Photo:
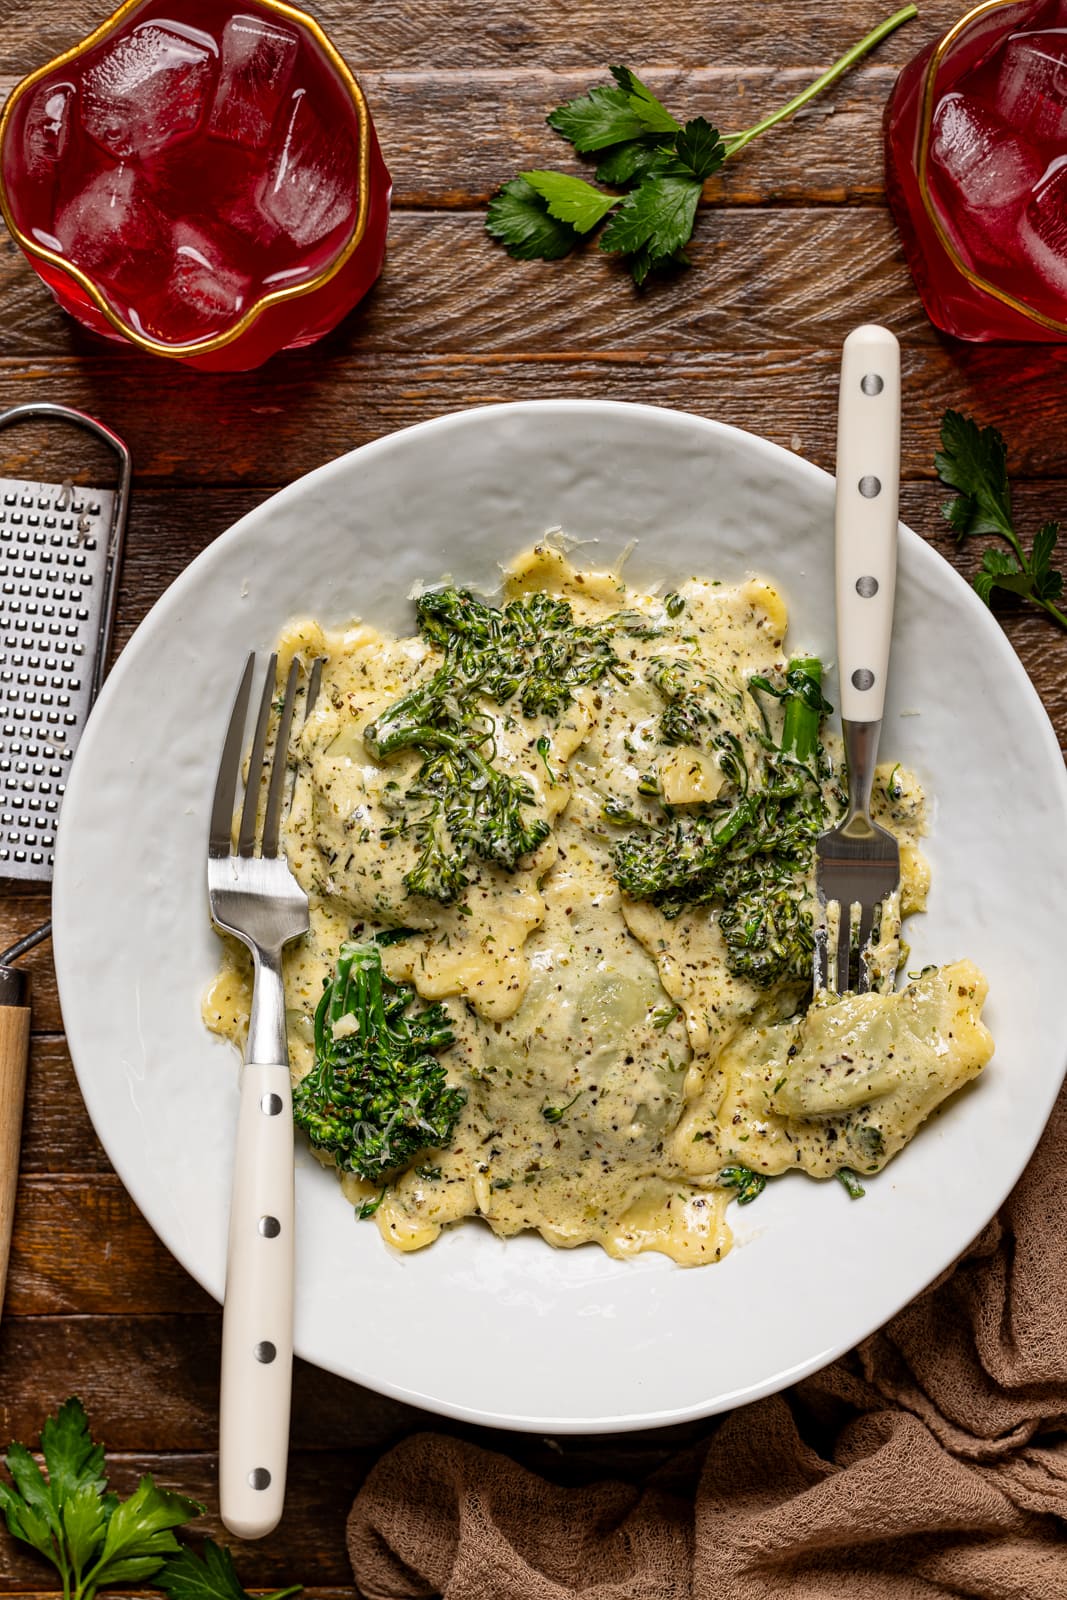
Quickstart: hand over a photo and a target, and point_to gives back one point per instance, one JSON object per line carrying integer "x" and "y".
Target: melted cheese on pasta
{"x": 664, "y": 1065}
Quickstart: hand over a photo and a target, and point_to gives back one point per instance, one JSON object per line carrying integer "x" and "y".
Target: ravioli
{"x": 623, "y": 1058}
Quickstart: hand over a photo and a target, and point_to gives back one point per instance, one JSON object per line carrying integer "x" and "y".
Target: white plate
{"x": 516, "y": 1334}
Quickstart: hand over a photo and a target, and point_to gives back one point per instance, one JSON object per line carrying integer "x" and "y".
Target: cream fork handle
{"x": 257, "y": 1322}
{"x": 868, "y": 486}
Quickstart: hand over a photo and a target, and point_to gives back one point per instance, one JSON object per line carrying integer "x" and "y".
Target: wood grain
{"x": 775, "y": 277}
{"x": 80, "y": 1245}
{"x": 146, "y": 1378}
{"x": 832, "y": 152}
{"x": 57, "y": 1135}
{"x": 788, "y": 395}
{"x": 473, "y": 36}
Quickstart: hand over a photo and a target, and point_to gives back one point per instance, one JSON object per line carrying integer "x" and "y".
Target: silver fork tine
{"x": 272, "y": 820}
{"x": 863, "y": 977}
{"x": 821, "y": 956}
{"x": 314, "y": 683}
{"x": 222, "y": 806}
{"x": 246, "y": 842}
{"x": 844, "y": 948}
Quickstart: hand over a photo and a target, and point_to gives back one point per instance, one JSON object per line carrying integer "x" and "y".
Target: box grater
{"x": 60, "y": 550}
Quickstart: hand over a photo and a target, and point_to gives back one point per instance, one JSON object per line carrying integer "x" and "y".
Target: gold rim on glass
{"x": 215, "y": 341}
{"x": 929, "y": 94}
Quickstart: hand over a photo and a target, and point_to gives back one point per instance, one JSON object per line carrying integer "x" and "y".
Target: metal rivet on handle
{"x": 871, "y": 383}
{"x": 870, "y": 486}
{"x": 265, "y": 1351}
{"x": 259, "y": 1478}
{"x": 867, "y": 587}
{"x": 269, "y": 1227}
{"x": 271, "y": 1105}
{"x": 862, "y": 678}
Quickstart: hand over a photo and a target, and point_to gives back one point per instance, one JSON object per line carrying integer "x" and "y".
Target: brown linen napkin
{"x": 931, "y": 1461}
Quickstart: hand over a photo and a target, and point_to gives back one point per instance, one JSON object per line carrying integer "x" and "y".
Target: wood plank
{"x": 81, "y": 1245}
{"x": 151, "y": 1382}
{"x": 774, "y": 278}
{"x": 469, "y": 36}
{"x": 343, "y": 397}
{"x": 57, "y": 1135}
{"x": 831, "y": 152}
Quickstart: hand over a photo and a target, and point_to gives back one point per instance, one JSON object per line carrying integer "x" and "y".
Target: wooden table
{"x": 796, "y": 249}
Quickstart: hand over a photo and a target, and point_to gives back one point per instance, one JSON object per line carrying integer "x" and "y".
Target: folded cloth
{"x": 931, "y": 1461}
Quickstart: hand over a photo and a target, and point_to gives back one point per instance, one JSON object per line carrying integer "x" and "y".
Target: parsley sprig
{"x": 94, "y": 1539}
{"x": 974, "y": 461}
{"x": 211, "y": 1576}
{"x": 660, "y": 164}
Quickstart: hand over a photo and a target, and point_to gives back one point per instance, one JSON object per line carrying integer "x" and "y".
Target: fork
{"x": 257, "y": 899}
{"x": 858, "y": 863}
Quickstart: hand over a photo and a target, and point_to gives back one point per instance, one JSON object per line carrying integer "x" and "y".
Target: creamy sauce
{"x": 658, "y": 1067}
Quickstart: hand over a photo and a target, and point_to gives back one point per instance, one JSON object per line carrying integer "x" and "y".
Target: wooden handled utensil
{"x": 14, "y": 1048}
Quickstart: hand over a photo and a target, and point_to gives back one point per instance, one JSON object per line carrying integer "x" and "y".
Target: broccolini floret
{"x": 688, "y": 712}
{"x": 376, "y": 1096}
{"x": 460, "y": 805}
{"x": 748, "y": 1184}
{"x": 751, "y": 851}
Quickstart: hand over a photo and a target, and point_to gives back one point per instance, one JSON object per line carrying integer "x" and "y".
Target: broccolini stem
{"x": 803, "y": 707}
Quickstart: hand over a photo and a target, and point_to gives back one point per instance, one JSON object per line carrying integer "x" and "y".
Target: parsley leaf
{"x": 609, "y": 114}
{"x": 602, "y": 117}
{"x": 974, "y": 461}
{"x": 210, "y": 1577}
{"x": 139, "y": 1534}
{"x": 571, "y": 199}
{"x": 658, "y": 214}
{"x": 624, "y": 162}
{"x": 654, "y": 116}
{"x": 698, "y": 151}
{"x": 92, "y": 1537}
{"x": 518, "y": 216}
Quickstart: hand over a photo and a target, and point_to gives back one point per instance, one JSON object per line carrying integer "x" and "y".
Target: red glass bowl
{"x": 285, "y": 317}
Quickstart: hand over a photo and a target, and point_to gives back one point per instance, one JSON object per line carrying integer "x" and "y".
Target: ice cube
{"x": 1043, "y": 231}
{"x": 1031, "y": 91}
{"x": 208, "y": 288}
{"x": 257, "y": 63}
{"x": 985, "y": 164}
{"x": 150, "y": 89}
{"x": 113, "y": 231}
{"x": 310, "y": 184}
{"x": 46, "y": 130}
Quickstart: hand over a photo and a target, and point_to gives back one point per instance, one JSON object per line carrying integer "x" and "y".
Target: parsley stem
{"x": 737, "y": 141}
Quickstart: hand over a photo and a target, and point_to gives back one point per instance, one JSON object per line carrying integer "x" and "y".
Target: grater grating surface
{"x": 59, "y": 554}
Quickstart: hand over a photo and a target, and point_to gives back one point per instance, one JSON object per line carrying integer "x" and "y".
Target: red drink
{"x": 976, "y": 172}
{"x": 204, "y": 182}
